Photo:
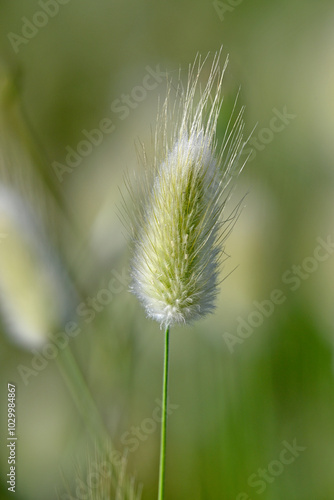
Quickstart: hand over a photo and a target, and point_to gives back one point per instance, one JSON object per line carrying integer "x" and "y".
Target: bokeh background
{"x": 237, "y": 400}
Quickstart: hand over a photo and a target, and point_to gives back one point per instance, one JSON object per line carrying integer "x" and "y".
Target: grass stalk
{"x": 162, "y": 467}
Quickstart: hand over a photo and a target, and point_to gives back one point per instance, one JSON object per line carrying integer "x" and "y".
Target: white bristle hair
{"x": 178, "y": 227}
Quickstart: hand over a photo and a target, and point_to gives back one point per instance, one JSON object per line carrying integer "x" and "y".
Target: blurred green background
{"x": 239, "y": 400}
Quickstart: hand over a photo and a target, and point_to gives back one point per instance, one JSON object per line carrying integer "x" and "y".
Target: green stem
{"x": 164, "y": 420}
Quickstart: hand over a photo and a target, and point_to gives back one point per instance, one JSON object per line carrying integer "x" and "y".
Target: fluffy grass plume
{"x": 179, "y": 229}
{"x": 103, "y": 478}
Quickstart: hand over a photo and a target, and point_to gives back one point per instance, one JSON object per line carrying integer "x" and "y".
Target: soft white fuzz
{"x": 178, "y": 228}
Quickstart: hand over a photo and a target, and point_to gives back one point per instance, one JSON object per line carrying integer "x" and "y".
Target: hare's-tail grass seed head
{"x": 102, "y": 477}
{"x": 178, "y": 229}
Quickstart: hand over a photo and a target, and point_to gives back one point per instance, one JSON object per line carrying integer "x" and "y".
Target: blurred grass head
{"x": 34, "y": 290}
{"x": 103, "y": 478}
